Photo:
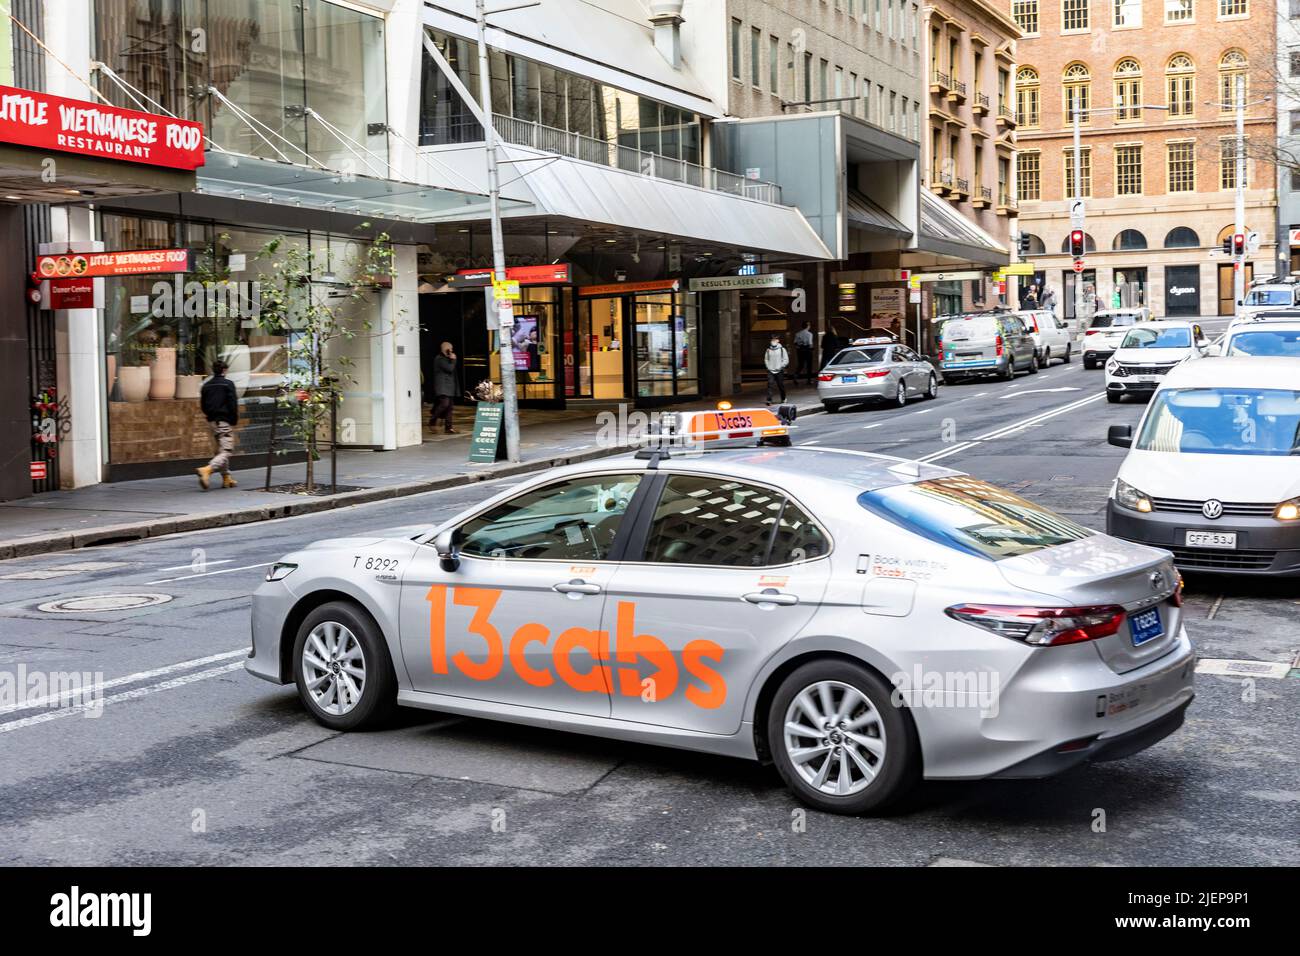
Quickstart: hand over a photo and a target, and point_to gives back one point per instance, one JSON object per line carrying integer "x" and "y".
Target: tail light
{"x": 1176, "y": 599}
{"x": 825, "y": 377}
{"x": 1091, "y": 332}
{"x": 878, "y": 373}
{"x": 999, "y": 344}
{"x": 1042, "y": 626}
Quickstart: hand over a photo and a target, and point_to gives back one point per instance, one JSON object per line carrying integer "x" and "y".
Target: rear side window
{"x": 972, "y": 516}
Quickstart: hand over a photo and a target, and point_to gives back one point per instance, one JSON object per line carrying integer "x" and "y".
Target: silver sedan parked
{"x": 857, "y": 620}
{"x": 891, "y": 373}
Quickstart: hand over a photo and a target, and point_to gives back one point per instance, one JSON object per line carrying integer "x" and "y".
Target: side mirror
{"x": 445, "y": 545}
{"x": 1121, "y": 436}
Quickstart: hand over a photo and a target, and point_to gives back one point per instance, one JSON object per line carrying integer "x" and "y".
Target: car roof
{"x": 1276, "y": 326}
{"x": 1170, "y": 324}
{"x": 1235, "y": 372}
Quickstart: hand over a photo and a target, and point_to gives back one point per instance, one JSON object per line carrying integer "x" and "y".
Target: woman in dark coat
{"x": 444, "y": 386}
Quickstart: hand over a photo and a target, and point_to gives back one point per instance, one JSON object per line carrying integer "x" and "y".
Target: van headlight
{"x": 1116, "y": 369}
{"x": 1130, "y": 497}
{"x": 1287, "y": 510}
{"x": 280, "y": 570}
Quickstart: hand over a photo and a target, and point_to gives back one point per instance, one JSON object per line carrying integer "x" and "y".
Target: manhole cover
{"x": 103, "y": 602}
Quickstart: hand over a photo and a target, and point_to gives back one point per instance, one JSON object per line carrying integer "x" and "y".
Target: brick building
{"x": 1159, "y": 184}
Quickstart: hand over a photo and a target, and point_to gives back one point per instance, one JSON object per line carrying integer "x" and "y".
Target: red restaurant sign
{"x": 131, "y": 263}
{"x": 28, "y": 118}
{"x": 557, "y": 274}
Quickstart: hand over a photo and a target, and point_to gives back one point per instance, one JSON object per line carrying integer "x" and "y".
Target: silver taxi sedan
{"x": 862, "y": 373}
{"x": 858, "y": 621}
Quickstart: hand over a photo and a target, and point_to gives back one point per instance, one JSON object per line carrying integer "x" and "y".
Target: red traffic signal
{"x": 1076, "y": 243}
{"x": 1238, "y": 244}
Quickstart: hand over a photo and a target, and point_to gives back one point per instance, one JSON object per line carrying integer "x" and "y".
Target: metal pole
{"x": 1239, "y": 161}
{"x": 1078, "y": 194}
{"x": 334, "y": 439}
{"x": 510, "y": 400}
{"x": 270, "y": 442}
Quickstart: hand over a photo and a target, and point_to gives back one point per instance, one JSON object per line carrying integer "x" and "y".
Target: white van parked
{"x": 1213, "y": 469}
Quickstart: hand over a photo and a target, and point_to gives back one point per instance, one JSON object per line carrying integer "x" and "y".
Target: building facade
{"x": 1153, "y": 86}
{"x": 1287, "y": 152}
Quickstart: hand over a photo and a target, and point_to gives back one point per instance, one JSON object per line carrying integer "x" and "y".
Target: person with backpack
{"x": 220, "y": 404}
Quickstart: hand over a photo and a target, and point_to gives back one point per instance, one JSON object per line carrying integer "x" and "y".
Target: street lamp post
{"x": 1239, "y": 167}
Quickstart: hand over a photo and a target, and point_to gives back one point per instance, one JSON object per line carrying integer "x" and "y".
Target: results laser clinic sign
{"x": 132, "y": 263}
{"x": 64, "y": 125}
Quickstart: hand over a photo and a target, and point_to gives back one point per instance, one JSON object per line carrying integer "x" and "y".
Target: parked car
{"x": 892, "y": 373}
{"x": 974, "y": 344}
{"x": 1107, "y": 329}
{"x": 1052, "y": 338}
{"x": 1269, "y": 295}
{"x": 1146, "y": 354}
{"x": 1261, "y": 338}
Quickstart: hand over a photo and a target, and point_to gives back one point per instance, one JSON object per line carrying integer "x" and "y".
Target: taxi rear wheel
{"x": 831, "y": 407}
{"x": 900, "y": 396}
{"x": 838, "y": 741}
{"x": 343, "y": 669}
{"x": 932, "y": 387}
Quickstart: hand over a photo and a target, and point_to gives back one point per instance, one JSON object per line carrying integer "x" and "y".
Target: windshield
{"x": 1223, "y": 421}
{"x": 1158, "y": 339}
{"x": 1269, "y": 297}
{"x": 1266, "y": 343}
{"x": 968, "y": 327}
{"x": 859, "y": 357}
{"x": 972, "y": 516}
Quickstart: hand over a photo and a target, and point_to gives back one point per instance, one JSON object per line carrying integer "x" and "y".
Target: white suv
{"x": 1147, "y": 353}
{"x": 1051, "y": 336}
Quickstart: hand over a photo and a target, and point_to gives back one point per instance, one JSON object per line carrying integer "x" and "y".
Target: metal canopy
{"x": 948, "y": 233}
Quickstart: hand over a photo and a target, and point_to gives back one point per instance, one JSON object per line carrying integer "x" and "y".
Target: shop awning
{"x": 947, "y": 232}
{"x": 865, "y": 213}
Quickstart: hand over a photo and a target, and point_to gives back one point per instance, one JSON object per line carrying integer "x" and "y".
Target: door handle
{"x": 576, "y": 587}
{"x": 770, "y": 596}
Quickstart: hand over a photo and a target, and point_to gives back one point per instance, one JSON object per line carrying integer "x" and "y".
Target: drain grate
{"x": 92, "y": 603}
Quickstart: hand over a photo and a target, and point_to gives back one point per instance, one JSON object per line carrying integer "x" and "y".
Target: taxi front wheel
{"x": 838, "y": 741}
{"x": 342, "y": 668}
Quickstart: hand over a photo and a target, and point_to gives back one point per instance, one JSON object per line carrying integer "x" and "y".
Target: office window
{"x": 773, "y": 64}
{"x": 1078, "y": 93}
{"x": 893, "y": 111}
{"x": 916, "y": 27}
{"x": 954, "y": 58}
{"x": 1294, "y": 10}
{"x": 1128, "y": 170}
{"x": 880, "y": 105}
{"x": 1025, "y": 13}
{"x": 902, "y": 118}
{"x": 1127, "y": 13}
{"x": 1085, "y": 173}
{"x": 1128, "y": 89}
{"x": 1028, "y": 176}
{"x": 1074, "y": 14}
{"x": 735, "y": 49}
{"x": 1231, "y": 66}
{"x": 755, "y": 39}
{"x": 823, "y": 81}
{"x": 1027, "y": 99}
{"x": 1294, "y": 180}
{"x": 1182, "y": 167}
{"x": 1228, "y": 165}
{"x": 1180, "y": 76}
{"x": 1295, "y": 122}
{"x": 1232, "y": 8}
{"x": 916, "y": 122}
{"x": 839, "y": 88}
{"x": 853, "y": 92}
{"x": 1294, "y": 69}
{"x": 807, "y": 76}
{"x": 890, "y": 18}
{"x": 879, "y": 4}
{"x": 1178, "y": 11}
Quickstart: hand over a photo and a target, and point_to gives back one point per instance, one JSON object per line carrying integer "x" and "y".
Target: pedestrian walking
{"x": 830, "y": 345}
{"x": 220, "y": 405}
{"x": 803, "y": 351}
{"x": 775, "y": 360}
{"x": 444, "y": 387}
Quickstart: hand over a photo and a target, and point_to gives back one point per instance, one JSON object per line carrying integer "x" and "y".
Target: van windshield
{"x": 972, "y": 516}
{"x": 1223, "y": 421}
{"x": 1269, "y": 297}
{"x": 968, "y": 327}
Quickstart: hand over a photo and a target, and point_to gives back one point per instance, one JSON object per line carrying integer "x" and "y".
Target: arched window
{"x": 1180, "y": 81}
{"x": 1027, "y": 100}
{"x": 1231, "y": 66}
{"x": 1089, "y": 243}
{"x": 1077, "y": 82}
{"x": 1181, "y": 237}
{"x": 1128, "y": 89}
{"x": 1128, "y": 239}
{"x": 1036, "y": 245}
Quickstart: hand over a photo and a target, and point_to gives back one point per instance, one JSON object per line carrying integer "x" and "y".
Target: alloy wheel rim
{"x": 834, "y": 738}
{"x": 902, "y": 394}
{"x": 334, "y": 668}
{"x": 934, "y": 385}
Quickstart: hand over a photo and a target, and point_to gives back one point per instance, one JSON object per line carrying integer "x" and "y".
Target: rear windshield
{"x": 859, "y": 357}
{"x": 1144, "y": 338}
{"x": 1116, "y": 318}
{"x": 1266, "y": 343}
{"x": 968, "y": 327}
{"x": 972, "y": 516}
{"x": 1270, "y": 297}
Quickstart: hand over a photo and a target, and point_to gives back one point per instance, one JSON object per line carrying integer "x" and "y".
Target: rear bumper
{"x": 971, "y": 369}
{"x": 1264, "y": 546}
{"x": 1092, "y": 354}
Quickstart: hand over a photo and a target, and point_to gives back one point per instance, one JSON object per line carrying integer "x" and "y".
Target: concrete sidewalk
{"x": 130, "y": 510}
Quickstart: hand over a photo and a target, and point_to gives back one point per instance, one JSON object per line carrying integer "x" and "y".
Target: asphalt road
{"x": 193, "y": 761}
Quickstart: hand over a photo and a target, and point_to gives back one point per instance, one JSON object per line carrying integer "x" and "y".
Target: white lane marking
{"x": 117, "y": 698}
{"x": 208, "y": 574}
{"x": 873, "y": 425}
{"x": 979, "y": 394}
{"x": 1039, "y": 391}
{"x": 190, "y": 566}
{"x": 128, "y": 679}
{"x": 924, "y": 411}
{"x": 1011, "y": 429}
{"x": 813, "y": 442}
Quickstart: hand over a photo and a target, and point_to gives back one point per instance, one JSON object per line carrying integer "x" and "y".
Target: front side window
{"x": 970, "y": 515}
{"x": 1223, "y": 421}
{"x": 720, "y": 522}
{"x": 574, "y": 520}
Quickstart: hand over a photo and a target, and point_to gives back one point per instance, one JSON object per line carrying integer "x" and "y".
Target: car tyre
{"x": 1114, "y": 397}
{"x": 1008, "y": 371}
{"x": 1047, "y": 358}
{"x": 347, "y": 682}
{"x": 875, "y": 767}
{"x": 1033, "y": 364}
{"x": 932, "y": 387}
{"x": 1068, "y": 357}
{"x": 831, "y": 407}
{"x": 900, "y": 396}
{"x": 1089, "y": 364}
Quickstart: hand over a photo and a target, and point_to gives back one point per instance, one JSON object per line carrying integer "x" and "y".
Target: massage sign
{"x": 65, "y": 125}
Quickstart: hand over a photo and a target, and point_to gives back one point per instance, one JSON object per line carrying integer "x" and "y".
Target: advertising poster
{"x": 526, "y": 343}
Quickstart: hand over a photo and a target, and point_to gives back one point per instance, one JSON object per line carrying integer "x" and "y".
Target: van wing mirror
{"x": 1121, "y": 436}
{"x": 448, "y": 554}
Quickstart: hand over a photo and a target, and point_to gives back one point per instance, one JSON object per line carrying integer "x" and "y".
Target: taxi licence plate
{"x": 1145, "y": 626}
{"x": 1211, "y": 539}
{"x": 848, "y": 379}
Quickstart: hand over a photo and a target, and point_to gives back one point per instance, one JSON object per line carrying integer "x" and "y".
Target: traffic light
{"x": 1022, "y": 244}
{"x": 1076, "y": 243}
{"x": 1227, "y": 245}
{"x": 1238, "y": 243}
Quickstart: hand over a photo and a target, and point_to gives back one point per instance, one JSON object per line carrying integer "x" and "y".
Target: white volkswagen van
{"x": 1213, "y": 469}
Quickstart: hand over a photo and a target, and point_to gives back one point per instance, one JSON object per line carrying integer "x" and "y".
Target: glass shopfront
{"x": 643, "y": 346}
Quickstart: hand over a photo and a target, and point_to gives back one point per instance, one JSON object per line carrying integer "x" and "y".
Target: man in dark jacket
{"x": 220, "y": 404}
{"x": 444, "y": 386}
